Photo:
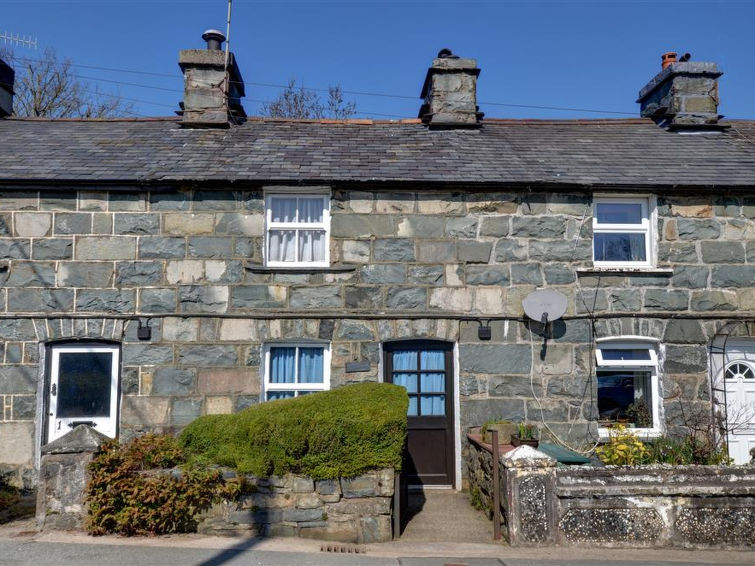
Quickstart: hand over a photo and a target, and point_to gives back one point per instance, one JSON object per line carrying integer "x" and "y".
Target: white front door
{"x": 83, "y": 389}
{"x": 739, "y": 385}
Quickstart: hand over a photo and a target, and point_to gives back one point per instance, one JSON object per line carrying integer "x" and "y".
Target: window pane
{"x": 433, "y": 359}
{"x": 311, "y": 245}
{"x": 273, "y": 395}
{"x": 310, "y": 209}
{"x": 282, "y": 245}
{"x": 404, "y": 360}
{"x": 310, "y": 365}
{"x": 433, "y": 404}
{"x": 412, "y": 412}
{"x": 433, "y": 383}
{"x": 283, "y": 209}
{"x": 619, "y": 247}
{"x": 619, "y": 213}
{"x": 84, "y": 381}
{"x": 408, "y": 380}
{"x": 625, "y": 395}
{"x": 282, "y": 366}
{"x": 628, "y": 354}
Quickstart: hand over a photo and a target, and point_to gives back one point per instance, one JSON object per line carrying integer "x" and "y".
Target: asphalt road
{"x": 35, "y": 553}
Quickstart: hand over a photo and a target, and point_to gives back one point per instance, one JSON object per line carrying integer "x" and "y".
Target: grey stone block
{"x": 40, "y": 300}
{"x": 302, "y": 515}
{"x": 15, "y": 248}
{"x": 130, "y": 381}
{"x": 698, "y": 229}
{"x": 360, "y": 486}
{"x": 354, "y": 330}
{"x": 385, "y": 273}
{"x": 686, "y": 359}
{"x": 236, "y": 223}
{"x": 127, "y": 202}
{"x": 52, "y": 248}
{"x": 526, "y": 274}
{"x": 471, "y": 251}
{"x": 326, "y": 296}
{"x": 560, "y": 250}
{"x": 257, "y": 296}
{"x": 73, "y": 223}
{"x": 732, "y": 276}
{"x": 507, "y": 250}
{"x": 394, "y": 249}
{"x": 684, "y": 332}
{"x": 173, "y": 381}
{"x": 24, "y": 407}
{"x": 57, "y": 200}
{"x": 649, "y": 280}
{"x": 147, "y": 354}
{"x": 216, "y": 200}
{"x": 203, "y": 299}
{"x": 624, "y": 300}
{"x": 495, "y": 358}
{"x": 168, "y": 201}
{"x": 495, "y": 226}
{"x": 85, "y": 274}
{"x": 13, "y": 353}
{"x": 475, "y": 412}
{"x": 713, "y": 301}
{"x": 20, "y": 329}
{"x": 538, "y": 226}
{"x": 402, "y": 298}
{"x": 461, "y": 227}
{"x": 31, "y": 274}
{"x": 559, "y": 274}
{"x": 363, "y": 297}
{"x": 106, "y": 300}
{"x": 690, "y": 276}
{"x": 157, "y": 300}
{"x": 660, "y": 299}
{"x": 102, "y": 223}
{"x": 183, "y": 411}
{"x": 723, "y": 252}
{"x": 361, "y": 225}
{"x": 136, "y": 224}
{"x": 684, "y": 252}
{"x": 488, "y": 275}
{"x": 162, "y": 248}
{"x": 137, "y": 273}
{"x": 210, "y": 247}
{"x": 108, "y": 248}
{"x": 425, "y": 274}
{"x": 436, "y": 252}
{"x": 207, "y": 356}
{"x": 18, "y": 379}
{"x": 419, "y": 226}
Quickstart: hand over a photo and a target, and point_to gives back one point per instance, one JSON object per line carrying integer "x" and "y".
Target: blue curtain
{"x": 433, "y": 383}
{"x": 433, "y": 404}
{"x": 274, "y": 395}
{"x": 432, "y": 359}
{"x": 310, "y": 365}
{"x": 282, "y": 365}
{"x": 404, "y": 360}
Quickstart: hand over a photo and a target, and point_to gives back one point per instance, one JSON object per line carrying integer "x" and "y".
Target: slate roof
{"x": 624, "y": 153}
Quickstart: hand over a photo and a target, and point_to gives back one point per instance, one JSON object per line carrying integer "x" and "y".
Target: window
{"x": 423, "y": 372}
{"x": 628, "y": 393}
{"x": 622, "y": 232}
{"x": 295, "y": 369}
{"x": 297, "y": 230}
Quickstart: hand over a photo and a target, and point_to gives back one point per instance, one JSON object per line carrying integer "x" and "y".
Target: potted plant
{"x": 506, "y": 429}
{"x": 640, "y": 413}
{"x": 526, "y": 435}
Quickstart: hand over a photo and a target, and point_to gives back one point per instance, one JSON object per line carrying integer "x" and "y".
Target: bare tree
{"x": 48, "y": 87}
{"x": 300, "y": 102}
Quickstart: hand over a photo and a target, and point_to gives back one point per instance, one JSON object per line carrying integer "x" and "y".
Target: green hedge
{"x": 338, "y": 433}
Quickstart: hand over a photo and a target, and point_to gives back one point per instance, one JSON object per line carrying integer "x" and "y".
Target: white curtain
{"x": 311, "y": 245}
{"x": 283, "y": 209}
{"x": 282, "y": 245}
{"x": 310, "y": 209}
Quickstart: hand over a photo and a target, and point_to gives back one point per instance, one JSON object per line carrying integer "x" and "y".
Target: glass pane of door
{"x": 84, "y": 384}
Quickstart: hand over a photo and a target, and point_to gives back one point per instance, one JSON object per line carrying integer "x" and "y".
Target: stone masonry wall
{"x": 191, "y": 260}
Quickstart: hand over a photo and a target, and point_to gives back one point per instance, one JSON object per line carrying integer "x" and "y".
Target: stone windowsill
{"x": 581, "y": 271}
{"x": 336, "y": 268}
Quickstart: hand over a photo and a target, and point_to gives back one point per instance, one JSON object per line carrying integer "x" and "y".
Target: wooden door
{"x": 425, "y": 369}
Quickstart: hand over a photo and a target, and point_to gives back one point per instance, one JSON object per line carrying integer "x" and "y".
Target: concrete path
{"x": 444, "y": 515}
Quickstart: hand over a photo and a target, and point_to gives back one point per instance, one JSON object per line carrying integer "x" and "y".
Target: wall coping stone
{"x": 527, "y": 457}
{"x": 83, "y": 438}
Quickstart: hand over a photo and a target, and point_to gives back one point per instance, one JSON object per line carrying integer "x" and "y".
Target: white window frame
{"x": 267, "y": 386}
{"x": 653, "y": 365}
{"x": 270, "y": 225}
{"x": 647, "y": 227}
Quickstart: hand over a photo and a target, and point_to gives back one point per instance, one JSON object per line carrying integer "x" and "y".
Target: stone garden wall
{"x": 640, "y": 506}
{"x": 355, "y": 510}
{"x": 406, "y": 264}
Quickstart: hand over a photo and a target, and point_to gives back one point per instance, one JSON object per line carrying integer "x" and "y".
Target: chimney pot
{"x": 214, "y": 39}
{"x": 668, "y": 58}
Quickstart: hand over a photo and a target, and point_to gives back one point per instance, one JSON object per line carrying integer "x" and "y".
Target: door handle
{"x": 73, "y": 424}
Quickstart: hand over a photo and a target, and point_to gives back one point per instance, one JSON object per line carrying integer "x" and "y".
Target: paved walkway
{"x": 444, "y": 515}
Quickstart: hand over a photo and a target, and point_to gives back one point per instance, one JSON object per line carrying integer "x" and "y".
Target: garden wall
{"x": 612, "y": 506}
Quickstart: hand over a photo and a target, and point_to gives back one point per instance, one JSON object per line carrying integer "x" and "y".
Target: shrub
{"x": 130, "y": 492}
{"x": 686, "y": 450}
{"x": 338, "y": 433}
{"x": 622, "y": 449}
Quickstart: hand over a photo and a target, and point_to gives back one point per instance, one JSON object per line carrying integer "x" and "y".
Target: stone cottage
{"x": 154, "y": 270}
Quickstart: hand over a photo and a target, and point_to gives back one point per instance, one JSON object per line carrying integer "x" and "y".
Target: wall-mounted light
{"x": 484, "y": 332}
{"x": 143, "y": 332}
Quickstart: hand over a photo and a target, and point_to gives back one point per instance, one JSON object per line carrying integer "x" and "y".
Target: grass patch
{"x": 340, "y": 433}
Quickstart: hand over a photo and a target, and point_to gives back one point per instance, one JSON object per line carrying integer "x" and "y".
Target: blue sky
{"x": 583, "y": 55}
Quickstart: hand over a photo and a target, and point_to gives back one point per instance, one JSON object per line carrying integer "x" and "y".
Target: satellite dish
{"x": 545, "y": 306}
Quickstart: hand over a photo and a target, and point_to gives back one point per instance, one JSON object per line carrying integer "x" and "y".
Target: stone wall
{"x": 611, "y": 506}
{"x": 356, "y": 510}
{"x": 406, "y": 264}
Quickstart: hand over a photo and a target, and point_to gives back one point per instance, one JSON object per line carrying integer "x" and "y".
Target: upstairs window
{"x": 292, "y": 370}
{"x": 622, "y": 232}
{"x": 297, "y": 230}
{"x": 628, "y": 392}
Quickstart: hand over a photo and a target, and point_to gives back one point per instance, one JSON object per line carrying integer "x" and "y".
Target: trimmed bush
{"x": 340, "y": 433}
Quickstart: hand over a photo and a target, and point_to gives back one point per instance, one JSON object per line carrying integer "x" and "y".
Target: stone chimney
{"x": 211, "y": 99}
{"x": 450, "y": 92}
{"x": 684, "y": 95}
{"x": 7, "y": 76}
